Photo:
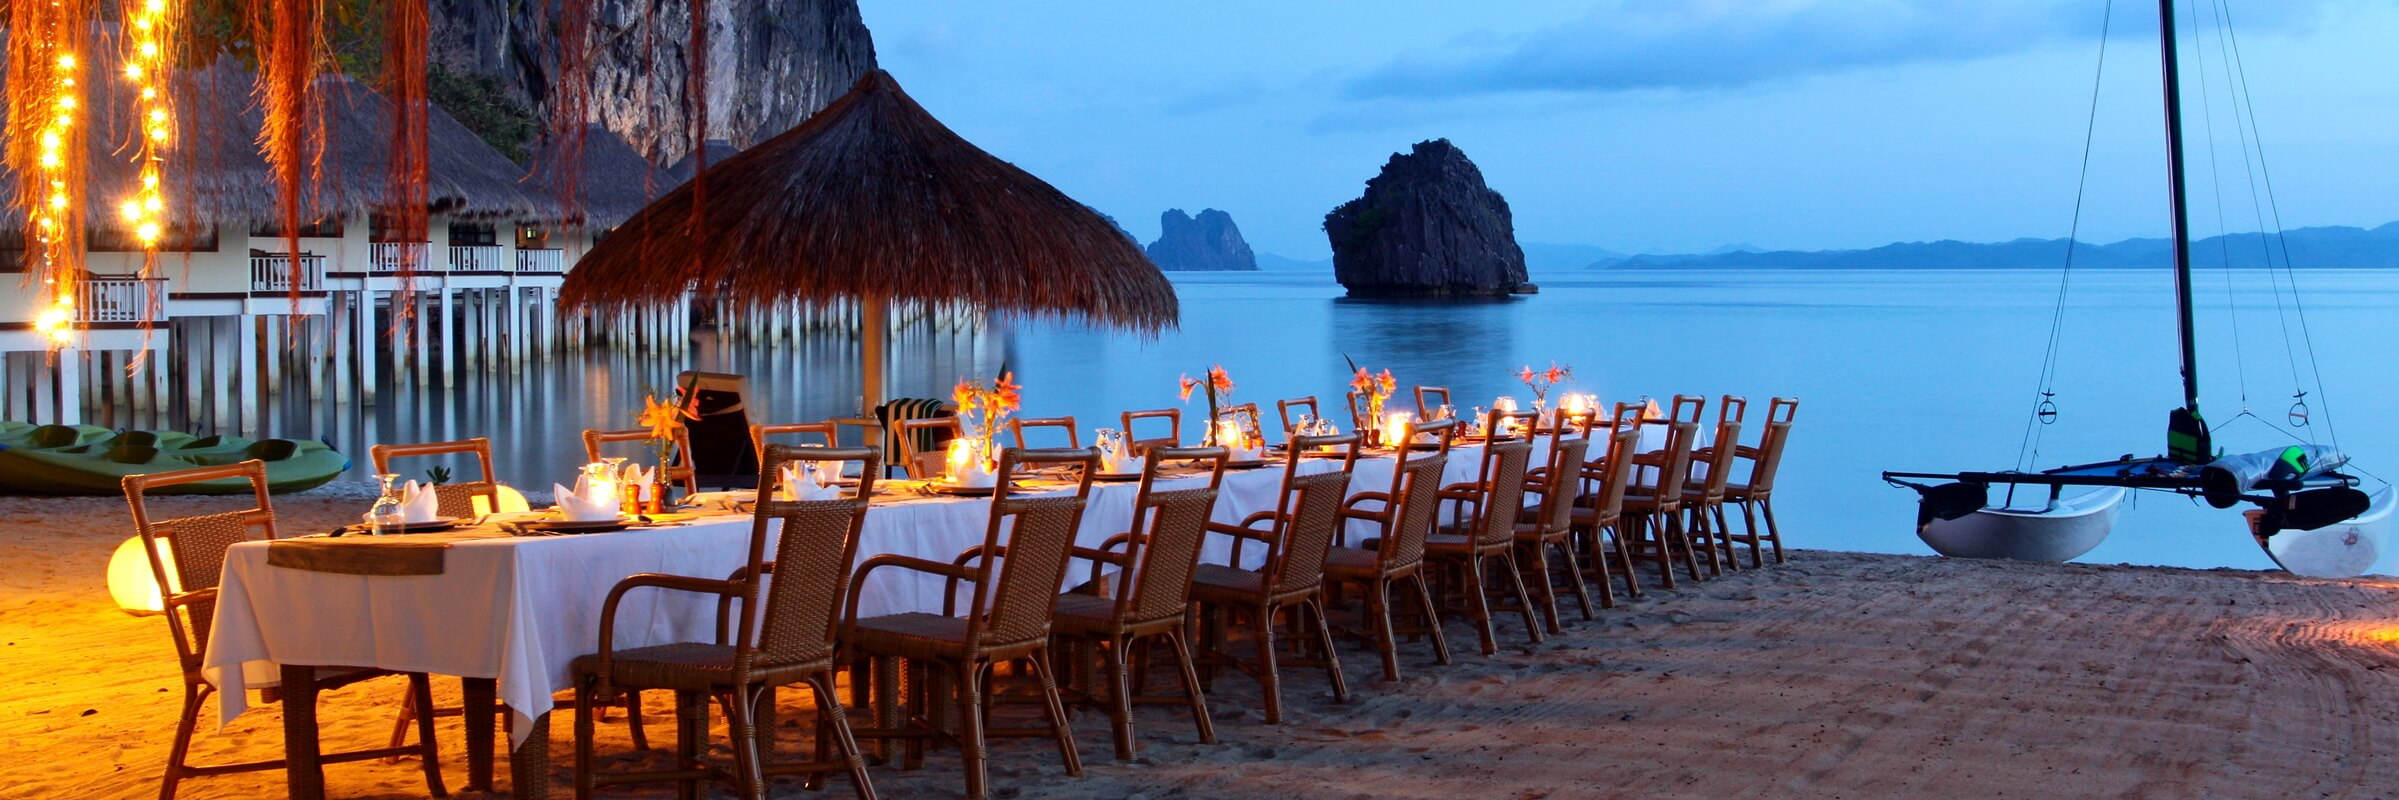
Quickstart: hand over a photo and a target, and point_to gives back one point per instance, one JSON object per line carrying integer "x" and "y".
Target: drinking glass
{"x": 386, "y": 516}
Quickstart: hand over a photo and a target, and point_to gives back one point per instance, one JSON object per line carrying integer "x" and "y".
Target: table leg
{"x": 480, "y": 706}
{"x": 304, "y": 775}
{"x": 529, "y": 763}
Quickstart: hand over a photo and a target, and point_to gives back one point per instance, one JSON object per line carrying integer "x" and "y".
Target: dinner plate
{"x": 577, "y": 526}
{"x": 1115, "y": 476}
{"x": 1247, "y": 463}
{"x": 429, "y": 526}
{"x": 956, "y": 490}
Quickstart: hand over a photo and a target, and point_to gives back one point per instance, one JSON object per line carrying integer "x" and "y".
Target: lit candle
{"x": 1504, "y": 403}
{"x": 1395, "y": 429}
{"x": 966, "y": 464}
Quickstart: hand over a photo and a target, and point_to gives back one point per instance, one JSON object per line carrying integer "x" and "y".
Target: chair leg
{"x": 1774, "y": 532}
{"x": 420, "y": 691}
{"x": 1120, "y": 695}
{"x": 1574, "y": 575}
{"x": 1191, "y": 686}
{"x": 1653, "y": 524}
{"x": 970, "y": 742}
{"x": 1749, "y": 534}
{"x": 1057, "y": 711}
{"x": 741, "y": 736}
{"x": 1378, "y": 606}
{"x": 1524, "y": 600}
{"x": 1479, "y": 596}
{"x": 1432, "y": 620}
{"x": 1270, "y": 678}
{"x": 632, "y": 702}
{"x": 1696, "y": 531}
{"x": 691, "y": 733}
{"x": 1544, "y": 586}
{"x": 1724, "y": 529}
{"x": 583, "y": 735}
{"x": 836, "y": 722}
{"x": 182, "y": 746}
{"x": 1324, "y": 639}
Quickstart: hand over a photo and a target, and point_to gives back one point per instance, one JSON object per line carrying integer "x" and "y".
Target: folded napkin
{"x": 577, "y": 508}
{"x": 641, "y": 480}
{"x": 799, "y": 484}
{"x": 418, "y": 503}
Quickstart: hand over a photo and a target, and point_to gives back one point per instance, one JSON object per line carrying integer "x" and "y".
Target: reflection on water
{"x": 1898, "y": 370}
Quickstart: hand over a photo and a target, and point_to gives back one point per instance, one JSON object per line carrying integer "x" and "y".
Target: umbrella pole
{"x": 871, "y": 329}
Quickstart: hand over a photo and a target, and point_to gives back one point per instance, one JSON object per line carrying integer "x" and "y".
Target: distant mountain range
{"x": 2332, "y": 246}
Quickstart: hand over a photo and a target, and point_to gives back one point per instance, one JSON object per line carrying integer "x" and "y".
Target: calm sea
{"x": 1896, "y": 369}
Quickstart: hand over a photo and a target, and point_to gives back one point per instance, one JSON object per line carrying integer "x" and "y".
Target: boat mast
{"x": 2174, "y": 191}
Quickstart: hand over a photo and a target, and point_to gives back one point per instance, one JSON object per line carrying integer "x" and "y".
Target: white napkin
{"x": 800, "y": 485}
{"x": 641, "y": 480}
{"x": 577, "y": 508}
{"x": 418, "y": 503}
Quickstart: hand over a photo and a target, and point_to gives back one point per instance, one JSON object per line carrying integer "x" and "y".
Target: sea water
{"x": 1895, "y": 369}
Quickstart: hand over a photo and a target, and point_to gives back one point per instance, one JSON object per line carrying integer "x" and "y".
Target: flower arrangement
{"x": 1219, "y": 386}
{"x": 1375, "y": 388}
{"x": 1544, "y": 380}
{"x": 987, "y": 404}
{"x": 663, "y": 420}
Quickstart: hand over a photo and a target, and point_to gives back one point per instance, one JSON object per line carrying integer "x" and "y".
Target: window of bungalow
{"x": 474, "y": 234}
{"x": 322, "y": 228}
{"x": 175, "y": 239}
{"x": 530, "y": 236}
{"x": 12, "y": 251}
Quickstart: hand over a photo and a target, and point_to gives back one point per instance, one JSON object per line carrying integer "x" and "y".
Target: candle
{"x": 966, "y": 464}
{"x": 1504, "y": 403}
{"x": 1395, "y": 429}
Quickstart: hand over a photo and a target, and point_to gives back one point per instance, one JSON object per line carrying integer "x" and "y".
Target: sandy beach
{"x": 1836, "y": 675}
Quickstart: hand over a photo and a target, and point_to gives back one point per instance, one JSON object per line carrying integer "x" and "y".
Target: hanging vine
{"x": 46, "y": 150}
{"x": 291, "y": 41}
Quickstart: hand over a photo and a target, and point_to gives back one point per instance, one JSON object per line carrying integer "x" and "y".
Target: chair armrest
{"x": 1244, "y": 533}
{"x": 681, "y": 583}
{"x": 927, "y": 566}
{"x": 1099, "y": 557}
{"x": 724, "y": 602}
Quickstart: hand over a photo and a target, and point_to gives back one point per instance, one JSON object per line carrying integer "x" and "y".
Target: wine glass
{"x": 386, "y": 516}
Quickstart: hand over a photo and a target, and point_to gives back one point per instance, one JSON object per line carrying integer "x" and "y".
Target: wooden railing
{"x": 548, "y": 261}
{"x": 478, "y": 258}
{"x": 272, "y": 273}
{"x": 385, "y": 257}
{"x": 118, "y": 299}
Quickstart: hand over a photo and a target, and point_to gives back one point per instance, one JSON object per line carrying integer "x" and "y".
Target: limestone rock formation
{"x": 770, "y": 64}
{"x": 1426, "y": 227}
{"x": 1210, "y": 242}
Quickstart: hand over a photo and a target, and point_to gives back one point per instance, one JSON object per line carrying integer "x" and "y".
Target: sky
{"x": 1673, "y": 125}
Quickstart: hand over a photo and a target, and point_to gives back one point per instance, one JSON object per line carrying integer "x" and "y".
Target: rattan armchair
{"x": 780, "y": 634}
{"x": 452, "y": 499}
{"x": 1489, "y": 536}
{"x": 1398, "y": 555}
{"x": 1297, "y": 535}
{"x": 187, "y": 557}
{"x": 920, "y": 462}
{"x": 1430, "y": 399}
{"x": 1599, "y": 517}
{"x": 1018, "y": 425}
{"x": 1283, "y": 409}
{"x": 1011, "y": 600}
{"x": 828, "y": 434}
{"x": 1653, "y": 517}
{"x": 1703, "y": 498}
{"x": 1150, "y": 595}
{"x": 681, "y": 472}
{"x": 1174, "y": 431}
{"x": 1548, "y": 529}
{"x": 1755, "y": 495}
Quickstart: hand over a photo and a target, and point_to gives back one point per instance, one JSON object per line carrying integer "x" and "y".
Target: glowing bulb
{"x": 133, "y": 72}
{"x": 153, "y": 203}
{"x": 149, "y": 93}
{"x": 150, "y": 48}
{"x": 132, "y": 210}
{"x": 148, "y": 233}
{"x": 66, "y": 61}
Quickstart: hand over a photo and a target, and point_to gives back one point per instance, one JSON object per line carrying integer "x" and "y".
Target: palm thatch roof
{"x": 687, "y": 166}
{"x": 612, "y": 180}
{"x": 874, "y": 200}
{"x": 215, "y": 174}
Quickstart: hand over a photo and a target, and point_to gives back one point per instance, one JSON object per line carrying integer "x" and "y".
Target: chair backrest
{"x": 1503, "y": 472}
{"x": 1615, "y": 477}
{"x": 1169, "y": 526}
{"x": 1687, "y": 408}
{"x": 451, "y": 499}
{"x": 187, "y": 554}
{"x": 1245, "y": 415}
{"x": 1782, "y": 409}
{"x": 1676, "y": 470}
{"x": 678, "y": 468}
{"x": 1499, "y": 424}
{"x": 1310, "y": 514}
{"x": 1562, "y": 483}
{"x": 1014, "y": 607}
{"x": 817, "y": 542}
{"x": 1284, "y": 407}
{"x": 1359, "y": 409}
{"x": 1415, "y": 504}
{"x": 1732, "y": 408}
{"x": 921, "y": 460}
{"x": 1017, "y": 426}
{"x": 1770, "y": 457}
{"x": 1720, "y": 459}
{"x": 897, "y": 444}
{"x": 1430, "y": 399}
{"x": 1174, "y": 430}
{"x": 828, "y": 434}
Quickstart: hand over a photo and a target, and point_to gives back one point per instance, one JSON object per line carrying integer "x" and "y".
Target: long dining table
{"x": 509, "y": 613}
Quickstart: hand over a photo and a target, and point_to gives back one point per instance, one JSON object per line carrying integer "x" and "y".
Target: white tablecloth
{"x": 520, "y": 609}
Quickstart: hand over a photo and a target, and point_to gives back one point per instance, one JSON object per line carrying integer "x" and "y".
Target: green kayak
{"x": 58, "y": 459}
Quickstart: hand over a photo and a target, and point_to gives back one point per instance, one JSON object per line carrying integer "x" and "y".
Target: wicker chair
{"x": 1174, "y": 430}
{"x": 1359, "y": 409}
{"x": 920, "y": 462}
{"x": 1297, "y": 535}
{"x": 1548, "y": 528}
{"x": 1283, "y": 408}
{"x": 1599, "y": 517}
{"x": 1018, "y": 425}
{"x": 1756, "y": 495}
{"x": 1430, "y": 399}
{"x": 1653, "y": 514}
{"x": 1008, "y": 616}
{"x": 1382, "y": 514}
{"x": 1489, "y": 535}
{"x": 1152, "y": 587}
{"x": 1407, "y": 518}
{"x": 1703, "y": 499}
{"x": 1245, "y": 415}
{"x": 828, "y": 434}
{"x": 187, "y": 557}
{"x": 452, "y": 499}
{"x": 780, "y": 636}
{"x": 681, "y": 473}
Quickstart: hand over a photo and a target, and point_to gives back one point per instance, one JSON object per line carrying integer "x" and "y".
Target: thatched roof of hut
{"x": 687, "y": 166}
{"x": 216, "y": 174}
{"x": 875, "y": 200}
{"x": 612, "y": 180}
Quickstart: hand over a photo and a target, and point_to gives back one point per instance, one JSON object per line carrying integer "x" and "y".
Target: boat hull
{"x": 2342, "y": 550}
{"x": 2062, "y": 533}
{"x": 99, "y": 467}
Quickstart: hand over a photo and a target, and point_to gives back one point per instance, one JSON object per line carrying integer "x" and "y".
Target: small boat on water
{"x": 84, "y": 460}
{"x": 2060, "y": 530}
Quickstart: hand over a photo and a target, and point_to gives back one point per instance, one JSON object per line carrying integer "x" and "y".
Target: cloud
{"x": 1629, "y": 45}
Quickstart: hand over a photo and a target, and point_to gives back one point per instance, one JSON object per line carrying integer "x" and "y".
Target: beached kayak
{"x": 57, "y": 459}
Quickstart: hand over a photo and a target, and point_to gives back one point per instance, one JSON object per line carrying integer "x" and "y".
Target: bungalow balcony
{"x": 478, "y": 258}
{"x": 271, "y": 274}
{"x": 386, "y": 258}
{"x": 119, "y": 300}
{"x": 540, "y": 261}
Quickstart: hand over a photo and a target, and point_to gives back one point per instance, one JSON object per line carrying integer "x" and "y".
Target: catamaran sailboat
{"x": 2309, "y": 516}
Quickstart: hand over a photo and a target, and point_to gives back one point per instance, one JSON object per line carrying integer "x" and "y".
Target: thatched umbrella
{"x": 874, "y": 201}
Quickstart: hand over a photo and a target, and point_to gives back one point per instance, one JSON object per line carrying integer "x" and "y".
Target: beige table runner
{"x": 357, "y": 554}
